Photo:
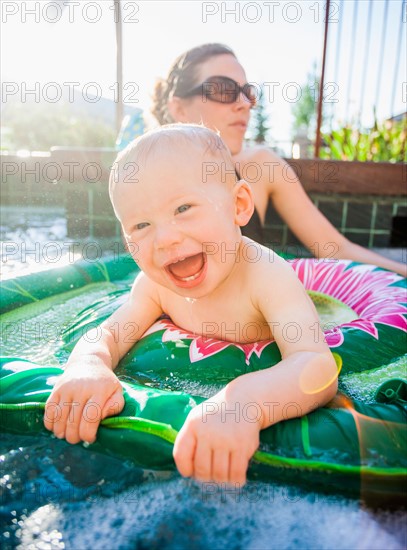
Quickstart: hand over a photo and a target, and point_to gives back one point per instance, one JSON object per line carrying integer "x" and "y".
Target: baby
{"x": 175, "y": 193}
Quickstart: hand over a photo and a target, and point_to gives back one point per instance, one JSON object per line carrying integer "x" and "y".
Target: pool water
{"x": 34, "y": 238}
{"x": 34, "y": 331}
{"x": 55, "y": 495}
{"x": 58, "y": 499}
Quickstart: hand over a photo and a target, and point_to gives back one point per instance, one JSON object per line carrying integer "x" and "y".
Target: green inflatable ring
{"x": 354, "y": 447}
{"x": 371, "y": 302}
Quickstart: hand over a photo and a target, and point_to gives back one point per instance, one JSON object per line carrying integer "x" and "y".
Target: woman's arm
{"x": 303, "y": 218}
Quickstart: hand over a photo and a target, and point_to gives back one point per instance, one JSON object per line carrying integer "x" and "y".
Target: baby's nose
{"x": 167, "y": 235}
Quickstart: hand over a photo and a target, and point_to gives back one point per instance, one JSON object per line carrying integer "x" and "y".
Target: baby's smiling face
{"x": 179, "y": 220}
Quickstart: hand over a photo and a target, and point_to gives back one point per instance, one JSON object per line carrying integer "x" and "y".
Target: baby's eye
{"x": 183, "y": 208}
{"x": 142, "y": 225}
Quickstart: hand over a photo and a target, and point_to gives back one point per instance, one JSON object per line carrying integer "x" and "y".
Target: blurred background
{"x": 59, "y": 63}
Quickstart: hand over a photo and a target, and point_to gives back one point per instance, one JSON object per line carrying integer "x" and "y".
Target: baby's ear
{"x": 244, "y": 204}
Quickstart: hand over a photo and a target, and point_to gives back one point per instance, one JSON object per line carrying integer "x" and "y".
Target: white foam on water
{"x": 177, "y": 514}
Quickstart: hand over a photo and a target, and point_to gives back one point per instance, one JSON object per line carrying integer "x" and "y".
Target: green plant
{"x": 304, "y": 110}
{"x": 261, "y": 128}
{"x": 385, "y": 142}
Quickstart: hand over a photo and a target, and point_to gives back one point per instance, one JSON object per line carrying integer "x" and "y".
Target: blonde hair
{"x": 178, "y": 135}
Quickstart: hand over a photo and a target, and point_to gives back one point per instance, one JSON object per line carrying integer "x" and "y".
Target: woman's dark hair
{"x": 182, "y": 77}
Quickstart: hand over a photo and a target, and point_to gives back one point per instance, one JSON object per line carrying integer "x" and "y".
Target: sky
{"x": 277, "y": 42}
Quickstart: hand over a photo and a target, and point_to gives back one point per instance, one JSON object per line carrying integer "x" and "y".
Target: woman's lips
{"x": 240, "y": 125}
{"x": 189, "y": 271}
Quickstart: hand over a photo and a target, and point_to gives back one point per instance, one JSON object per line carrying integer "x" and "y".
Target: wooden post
{"x": 119, "y": 64}
{"x": 321, "y": 84}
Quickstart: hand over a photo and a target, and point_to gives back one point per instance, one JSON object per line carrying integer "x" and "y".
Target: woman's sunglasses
{"x": 223, "y": 90}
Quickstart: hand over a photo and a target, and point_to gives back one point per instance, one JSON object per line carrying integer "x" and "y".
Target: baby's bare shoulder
{"x": 142, "y": 283}
{"x": 267, "y": 272}
{"x": 260, "y": 258}
{"x": 145, "y": 288}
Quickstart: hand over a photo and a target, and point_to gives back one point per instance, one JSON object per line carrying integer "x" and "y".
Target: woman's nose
{"x": 243, "y": 103}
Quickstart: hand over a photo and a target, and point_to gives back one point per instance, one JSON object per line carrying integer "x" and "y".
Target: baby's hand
{"x": 81, "y": 398}
{"x": 217, "y": 440}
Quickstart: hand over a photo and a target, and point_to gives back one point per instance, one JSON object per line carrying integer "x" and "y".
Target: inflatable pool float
{"x": 348, "y": 446}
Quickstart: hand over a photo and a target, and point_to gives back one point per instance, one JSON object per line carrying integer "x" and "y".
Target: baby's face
{"x": 179, "y": 222}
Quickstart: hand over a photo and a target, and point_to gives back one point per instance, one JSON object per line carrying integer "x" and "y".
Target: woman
{"x": 208, "y": 85}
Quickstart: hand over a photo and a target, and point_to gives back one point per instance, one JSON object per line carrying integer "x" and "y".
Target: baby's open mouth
{"x": 187, "y": 269}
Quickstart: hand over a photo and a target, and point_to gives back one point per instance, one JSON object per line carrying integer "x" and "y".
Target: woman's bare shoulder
{"x": 257, "y": 153}
{"x": 267, "y": 166}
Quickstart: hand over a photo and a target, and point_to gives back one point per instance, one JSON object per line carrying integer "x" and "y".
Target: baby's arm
{"x": 88, "y": 391}
{"x": 306, "y": 376}
{"x": 221, "y": 435}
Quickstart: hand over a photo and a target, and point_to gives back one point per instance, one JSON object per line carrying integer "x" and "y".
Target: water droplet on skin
{"x": 191, "y": 312}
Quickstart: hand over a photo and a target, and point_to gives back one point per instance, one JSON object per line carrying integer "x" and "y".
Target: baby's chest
{"x": 232, "y": 322}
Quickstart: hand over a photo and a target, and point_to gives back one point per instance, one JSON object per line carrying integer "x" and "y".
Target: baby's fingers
{"x": 73, "y": 422}
{"x": 93, "y": 413}
{"x": 84, "y": 428}
{"x": 238, "y": 468}
{"x": 52, "y": 412}
{"x": 184, "y": 453}
{"x": 220, "y": 466}
{"x": 203, "y": 461}
{"x": 114, "y": 404}
{"x": 58, "y": 414}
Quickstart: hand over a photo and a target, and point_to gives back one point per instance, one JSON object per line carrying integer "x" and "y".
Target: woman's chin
{"x": 234, "y": 145}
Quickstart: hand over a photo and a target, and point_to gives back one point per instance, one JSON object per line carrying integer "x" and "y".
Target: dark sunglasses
{"x": 223, "y": 90}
